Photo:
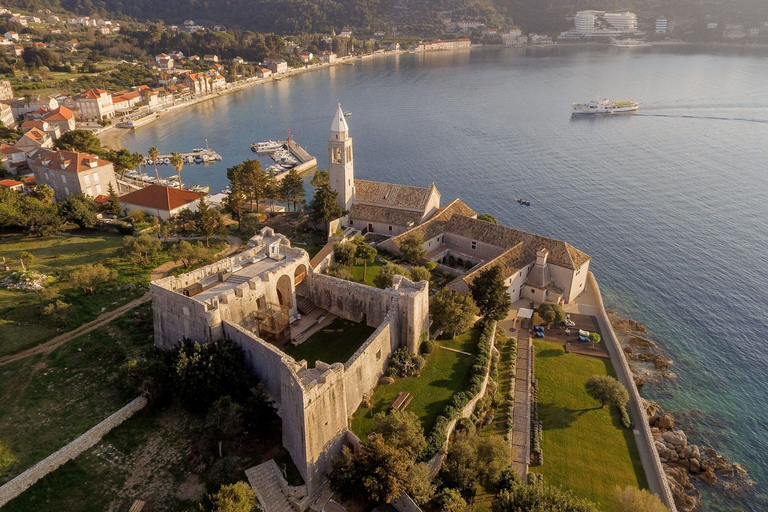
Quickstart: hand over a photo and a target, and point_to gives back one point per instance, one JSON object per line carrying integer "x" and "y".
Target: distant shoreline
{"x": 112, "y": 136}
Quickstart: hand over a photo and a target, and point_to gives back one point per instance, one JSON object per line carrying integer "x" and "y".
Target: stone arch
{"x": 299, "y": 274}
{"x": 284, "y": 291}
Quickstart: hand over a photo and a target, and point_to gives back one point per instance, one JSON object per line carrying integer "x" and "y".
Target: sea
{"x": 671, "y": 203}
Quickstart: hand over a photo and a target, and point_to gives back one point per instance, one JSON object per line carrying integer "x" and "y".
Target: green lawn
{"x": 445, "y": 374}
{"x": 47, "y": 401}
{"x": 333, "y": 344}
{"x": 21, "y": 323}
{"x": 585, "y": 447}
{"x": 373, "y": 271}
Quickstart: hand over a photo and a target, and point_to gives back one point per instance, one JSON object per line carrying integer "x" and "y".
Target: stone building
{"x": 70, "y": 173}
{"x": 95, "y": 105}
{"x": 374, "y": 207}
{"x": 160, "y": 201}
{"x": 253, "y": 297}
{"x": 534, "y": 267}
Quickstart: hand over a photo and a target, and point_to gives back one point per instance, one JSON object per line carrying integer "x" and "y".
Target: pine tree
{"x": 113, "y": 200}
{"x": 323, "y": 207}
{"x": 292, "y": 189}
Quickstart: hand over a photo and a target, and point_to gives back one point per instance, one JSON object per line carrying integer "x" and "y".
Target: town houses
{"x": 71, "y": 173}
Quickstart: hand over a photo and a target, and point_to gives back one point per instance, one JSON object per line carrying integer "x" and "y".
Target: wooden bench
{"x": 401, "y": 401}
{"x": 137, "y": 506}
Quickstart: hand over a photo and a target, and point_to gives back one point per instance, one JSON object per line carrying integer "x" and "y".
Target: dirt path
{"x": 52, "y": 344}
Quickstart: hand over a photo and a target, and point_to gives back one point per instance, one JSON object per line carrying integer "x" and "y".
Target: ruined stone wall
{"x": 363, "y": 370}
{"x": 49, "y": 464}
{"x": 314, "y": 418}
{"x": 263, "y": 359}
{"x": 351, "y": 301}
{"x": 177, "y": 317}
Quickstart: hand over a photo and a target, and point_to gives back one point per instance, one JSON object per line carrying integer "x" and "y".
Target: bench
{"x": 137, "y": 506}
{"x": 401, "y": 401}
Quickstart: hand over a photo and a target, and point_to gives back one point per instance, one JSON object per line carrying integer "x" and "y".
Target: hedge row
{"x": 453, "y": 410}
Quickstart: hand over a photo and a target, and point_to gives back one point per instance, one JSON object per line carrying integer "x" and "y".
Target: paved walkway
{"x": 51, "y": 345}
{"x": 455, "y": 350}
{"x": 521, "y": 433}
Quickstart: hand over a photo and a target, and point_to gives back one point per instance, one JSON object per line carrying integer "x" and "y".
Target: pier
{"x": 306, "y": 161}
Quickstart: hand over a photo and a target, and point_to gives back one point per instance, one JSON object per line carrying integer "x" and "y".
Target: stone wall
{"x": 263, "y": 359}
{"x": 654, "y": 471}
{"x": 363, "y": 370}
{"x": 25, "y": 480}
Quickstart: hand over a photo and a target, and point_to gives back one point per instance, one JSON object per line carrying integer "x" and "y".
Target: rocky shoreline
{"x": 683, "y": 463}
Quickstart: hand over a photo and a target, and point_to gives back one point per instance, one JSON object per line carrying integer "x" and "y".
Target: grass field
{"x": 47, "y": 401}
{"x": 21, "y": 323}
{"x": 333, "y": 344}
{"x": 585, "y": 447}
{"x": 373, "y": 271}
{"x": 445, "y": 373}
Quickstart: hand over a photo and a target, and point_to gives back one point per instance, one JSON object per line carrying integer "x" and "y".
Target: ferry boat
{"x": 630, "y": 43}
{"x": 265, "y": 147}
{"x": 604, "y": 107}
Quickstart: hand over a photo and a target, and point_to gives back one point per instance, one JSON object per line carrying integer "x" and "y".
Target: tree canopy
{"x": 540, "y": 498}
{"x": 412, "y": 247}
{"x": 490, "y": 293}
{"x": 607, "y": 390}
{"x": 453, "y": 312}
{"x": 323, "y": 207}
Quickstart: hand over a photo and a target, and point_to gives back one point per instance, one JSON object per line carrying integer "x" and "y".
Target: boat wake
{"x": 713, "y": 118}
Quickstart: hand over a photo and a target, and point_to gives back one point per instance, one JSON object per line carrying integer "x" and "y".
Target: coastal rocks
{"x": 687, "y": 497}
{"x": 663, "y": 422}
{"x": 24, "y": 281}
{"x": 709, "y": 477}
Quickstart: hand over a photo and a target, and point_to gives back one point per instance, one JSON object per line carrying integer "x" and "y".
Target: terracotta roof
{"x": 511, "y": 261}
{"x": 36, "y": 135}
{"x": 454, "y": 219}
{"x": 101, "y": 199}
{"x": 160, "y": 197}
{"x": 385, "y": 215}
{"x": 33, "y": 124}
{"x": 436, "y": 224}
{"x": 10, "y": 183}
{"x": 60, "y": 114}
{"x": 92, "y": 94}
{"x": 71, "y": 161}
{"x": 29, "y": 180}
{"x": 7, "y": 149}
{"x": 390, "y": 194}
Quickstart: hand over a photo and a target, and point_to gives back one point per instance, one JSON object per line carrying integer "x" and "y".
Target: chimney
{"x": 541, "y": 257}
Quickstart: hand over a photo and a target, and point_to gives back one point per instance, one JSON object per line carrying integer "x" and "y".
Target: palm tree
{"x": 178, "y": 162}
{"x": 138, "y": 158}
{"x": 154, "y": 154}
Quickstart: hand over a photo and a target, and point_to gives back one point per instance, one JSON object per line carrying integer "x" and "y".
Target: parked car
{"x": 569, "y": 323}
{"x": 583, "y": 338}
{"x": 539, "y": 334}
{"x": 538, "y": 328}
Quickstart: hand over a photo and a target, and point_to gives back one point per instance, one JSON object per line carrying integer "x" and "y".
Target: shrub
{"x": 412, "y": 247}
{"x": 607, "y": 390}
{"x": 626, "y": 420}
{"x": 344, "y": 253}
{"x": 238, "y": 497}
{"x": 88, "y": 277}
{"x": 387, "y": 274}
{"x": 551, "y": 312}
{"x": 420, "y": 274}
{"x": 405, "y": 363}
{"x": 632, "y": 499}
{"x": 431, "y": 265}
{"x": 427, "y": 347}
{"x": 339, "y": 272}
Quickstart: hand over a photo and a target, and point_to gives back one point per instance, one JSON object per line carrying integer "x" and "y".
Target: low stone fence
{"x": 436, "y": 462}
{"x": 25, "y": 480}
{"x": 654, "y": 471}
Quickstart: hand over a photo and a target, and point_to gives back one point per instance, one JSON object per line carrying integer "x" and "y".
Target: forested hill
{"x": 284, "y": 16}
{"x": 419, "y": 17}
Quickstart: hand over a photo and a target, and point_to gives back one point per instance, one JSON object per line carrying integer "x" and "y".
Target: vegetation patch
{"x": 333, "y": 344}
{"x": 445, "y": 374}
{"x": 587, "y": 450}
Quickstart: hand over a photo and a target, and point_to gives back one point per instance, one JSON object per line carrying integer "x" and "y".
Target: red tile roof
{"x": 36, "y": 135}
{"x": 101, "y": 199}
{"x": 160, "y": 197}
{"x": 29, "y": 180}
{"x": 72, "y": 161}
{"x": 7, "y": 149}
{"x": 10, "y": 183}
{"x": 60, "y": 114}
{"x": 92, "y": 94}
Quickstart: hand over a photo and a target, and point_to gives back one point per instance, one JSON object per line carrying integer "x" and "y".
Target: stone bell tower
{"x": 341, "y": 168}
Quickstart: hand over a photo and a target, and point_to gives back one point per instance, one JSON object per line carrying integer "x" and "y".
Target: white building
{"x": 159, "y": 201}
{"x": 95, "y": 105}
{"x": 624, "y": 21}
{"x": 586, "y": 21}
{"x": 661, "y": 26}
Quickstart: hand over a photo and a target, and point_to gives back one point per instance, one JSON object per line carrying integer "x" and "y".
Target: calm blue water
{"x": 672, "y": 203}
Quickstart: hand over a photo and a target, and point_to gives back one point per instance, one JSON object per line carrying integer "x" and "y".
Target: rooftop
{"x": 158, "y": 196}
{"x": 392, "y": 195}
{"x": 70, "y": 160}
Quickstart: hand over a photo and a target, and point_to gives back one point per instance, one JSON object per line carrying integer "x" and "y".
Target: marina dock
{"x": 306, "y": 162}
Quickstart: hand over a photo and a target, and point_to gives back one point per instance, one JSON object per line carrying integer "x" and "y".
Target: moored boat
{"x": 604, "y": 107}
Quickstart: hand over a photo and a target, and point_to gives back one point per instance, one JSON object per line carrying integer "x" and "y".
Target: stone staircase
{"x": 265, "y": 480}
{"x": 304, "y": 305}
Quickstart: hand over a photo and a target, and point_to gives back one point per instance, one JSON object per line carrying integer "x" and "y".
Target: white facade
{"x": 586, "y": 20}
{"x": 624, "y": 21}
{"x": 661, "y": 26}
{"x": 341, "y": 161}
{"x": 95, "y": 105}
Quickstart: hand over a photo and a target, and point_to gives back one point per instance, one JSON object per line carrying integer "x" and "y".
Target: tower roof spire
{"x": 339, "y": 122}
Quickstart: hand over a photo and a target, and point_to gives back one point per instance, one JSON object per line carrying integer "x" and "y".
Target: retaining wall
{"x": 654, "y": 471}
{"x": 436, "y": 462}
{"x": 263, "y": 359}
{"x": 25, "y": 480}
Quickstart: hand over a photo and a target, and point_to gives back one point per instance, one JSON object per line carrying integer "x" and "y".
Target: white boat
{"x": 198, "y": 150}
{"x": 265, "y": 147}
{"x": 150, "y": 162}
{"x": 630, "y": 43}
{"x": 190, "y": 159}
{"x": 167, "y": 161}
{"x": 604, "y": 107}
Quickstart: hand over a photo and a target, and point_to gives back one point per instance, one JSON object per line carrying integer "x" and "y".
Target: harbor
{"x": 287, "y": 154}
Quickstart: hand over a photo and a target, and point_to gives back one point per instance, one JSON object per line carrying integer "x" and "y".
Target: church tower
{"x": 341, "y": 169}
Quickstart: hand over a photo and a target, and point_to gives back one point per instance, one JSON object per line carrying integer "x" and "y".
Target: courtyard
{"x": 334, "y": 343}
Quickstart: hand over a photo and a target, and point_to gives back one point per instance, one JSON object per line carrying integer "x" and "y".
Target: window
{"x": 370, "y": 227}
{"x": 474, "y": 245}
{"x": 390, "y": 228}
{"x": 533, "y": 291}
{"x": 98, "y": 189}
{"x": 87, "y": 179}
{"x": 351, "y": 222}
{"x": 95, "y": 177}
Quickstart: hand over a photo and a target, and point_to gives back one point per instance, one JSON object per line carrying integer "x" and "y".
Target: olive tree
{"x": 607, "y": 390}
